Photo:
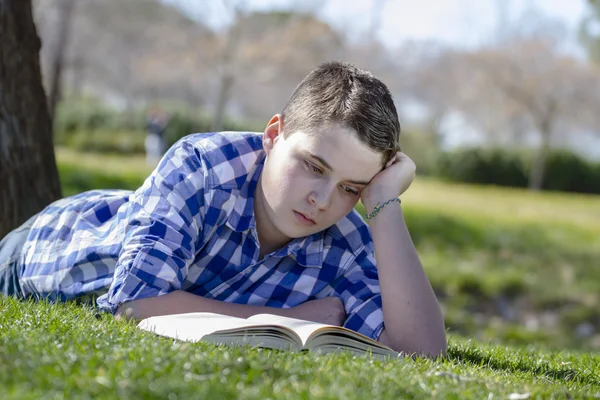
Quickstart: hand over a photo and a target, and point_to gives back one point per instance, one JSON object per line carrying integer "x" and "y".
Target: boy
{"x": 244, "y": 223}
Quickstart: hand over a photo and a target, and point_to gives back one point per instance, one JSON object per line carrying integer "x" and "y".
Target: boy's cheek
{"x": 343, "y": 208}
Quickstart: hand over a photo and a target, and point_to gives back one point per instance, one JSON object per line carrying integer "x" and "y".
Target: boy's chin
{"x": 295, "y": 229}
{"x": 302, "y": 231}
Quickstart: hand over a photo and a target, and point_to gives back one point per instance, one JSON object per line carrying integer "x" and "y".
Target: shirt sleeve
{"x": 164, "y": 228}
{"x": 359, "y": 290}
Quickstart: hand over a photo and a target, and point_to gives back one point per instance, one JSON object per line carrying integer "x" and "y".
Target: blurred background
{"x": 499, "y": 101}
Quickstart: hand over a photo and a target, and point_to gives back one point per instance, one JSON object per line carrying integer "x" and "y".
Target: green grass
{"x": 507, "y": 205}
{"x": 67, "y": 351}
{"x": 86, "y": 171}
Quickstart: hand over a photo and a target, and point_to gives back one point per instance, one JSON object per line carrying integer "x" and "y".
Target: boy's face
{"x": 311, "y": 180}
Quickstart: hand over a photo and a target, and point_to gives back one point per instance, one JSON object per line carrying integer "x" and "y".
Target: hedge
{"x": 89, "y": 125}
{"x": 565, "y": 171}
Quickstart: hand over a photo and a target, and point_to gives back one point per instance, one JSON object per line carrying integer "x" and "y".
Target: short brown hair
{"x": 339, "y": 92}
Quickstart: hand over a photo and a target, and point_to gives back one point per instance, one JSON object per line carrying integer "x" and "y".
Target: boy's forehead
{"x": 335, "y": 138}
{"x": 342, "y": 150}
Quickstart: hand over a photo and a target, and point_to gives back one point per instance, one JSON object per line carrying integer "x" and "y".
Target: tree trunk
{"x": 28, "y": 174}
{"x": 538, "y": 167}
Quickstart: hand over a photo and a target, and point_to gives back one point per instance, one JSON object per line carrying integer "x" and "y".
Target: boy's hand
{"x": 390, "y": 183}
{"x": 329, "y": 310}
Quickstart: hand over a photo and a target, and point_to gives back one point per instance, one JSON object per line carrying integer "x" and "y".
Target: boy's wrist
{"x": 371, "y": 204}
{"x": 379, "y": 207}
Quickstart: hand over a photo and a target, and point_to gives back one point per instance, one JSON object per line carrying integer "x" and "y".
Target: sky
{"x": 458, "y": 23}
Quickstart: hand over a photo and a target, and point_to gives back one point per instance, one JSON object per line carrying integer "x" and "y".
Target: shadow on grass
{"x": 497, "y": 360}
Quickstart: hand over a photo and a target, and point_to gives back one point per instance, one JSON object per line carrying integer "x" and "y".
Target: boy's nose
{"x": 321, "y": 197}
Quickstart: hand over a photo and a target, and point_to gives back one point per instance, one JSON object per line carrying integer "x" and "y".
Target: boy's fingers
{"x": 392, "y": 161}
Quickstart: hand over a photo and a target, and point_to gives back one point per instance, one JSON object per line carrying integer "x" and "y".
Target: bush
{"x": 83, "y": 115}
{"x": 490, "y": 166}
{"x": 125, "y": 142}
{"x": 124, "y": 130}
{"x": 75, "y": 179}
{"x": 565, "y": 171}
{"x": 422, "y": 147}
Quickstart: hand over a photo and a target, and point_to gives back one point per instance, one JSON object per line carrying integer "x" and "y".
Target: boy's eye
{"x": 313, "y": 168}
{"x": 350, "y": 191}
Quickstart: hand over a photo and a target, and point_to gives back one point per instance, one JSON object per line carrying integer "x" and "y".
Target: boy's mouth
{"x": 303, "y": 219}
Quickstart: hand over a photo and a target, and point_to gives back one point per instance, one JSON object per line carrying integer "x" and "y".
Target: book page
{"x": 303, "y": 328}
{"x": 316, "y": 335}
{"x": 263, "y": 330}
{"x": 217, "y": 328}
{"x": 191, "y": 326}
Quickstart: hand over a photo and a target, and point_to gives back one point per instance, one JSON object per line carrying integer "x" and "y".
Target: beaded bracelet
{"x": 378, "y": 207}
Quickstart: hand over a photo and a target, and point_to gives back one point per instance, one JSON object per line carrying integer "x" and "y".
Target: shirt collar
{"x": 308, "y": 250}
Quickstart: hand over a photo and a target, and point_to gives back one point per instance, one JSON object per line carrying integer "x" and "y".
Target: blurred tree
{"x": 277, "y": 50}
{"x": 135, "y": 54}
{"x": 526, "y": 84}
{"x": 228, "y": 58}
{"x": 57, "y": 64}
{"x": 431, "y": 73}
{"x": 28, "y": 173}
{"x": 589, "y": 30}
{"x": 522, "y": 90}
{"x": 129, "y": 53}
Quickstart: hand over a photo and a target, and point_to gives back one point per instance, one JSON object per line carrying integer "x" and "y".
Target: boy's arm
{"x": 329, "y": 310}
{"x": 412, "y": 317}
{"x": 165, "y": 225}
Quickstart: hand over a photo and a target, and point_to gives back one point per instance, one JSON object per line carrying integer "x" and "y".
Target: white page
{"x": 192, "y": 326}
{"x": 303, "y": 328}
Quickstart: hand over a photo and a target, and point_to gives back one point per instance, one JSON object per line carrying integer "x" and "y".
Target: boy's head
{"x": 341, "y": 93}
{"x": 338, "y": 130}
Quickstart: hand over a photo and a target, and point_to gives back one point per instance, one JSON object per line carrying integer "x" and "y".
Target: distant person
{"x": 244, "y": 223}
{"x": 155, "y": 138}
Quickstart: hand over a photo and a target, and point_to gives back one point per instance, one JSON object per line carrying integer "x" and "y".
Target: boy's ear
{"x": 273, "y": 131}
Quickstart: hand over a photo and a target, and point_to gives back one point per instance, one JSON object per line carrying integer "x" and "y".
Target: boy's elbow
{"x": 433, "y": 350}
{"x": 134, "y": 309}
{"x": 437, "y": 349}
{"x": 434, "y": 346}
{"x": 124, "y": 312}
{"x": 139, "y": 309}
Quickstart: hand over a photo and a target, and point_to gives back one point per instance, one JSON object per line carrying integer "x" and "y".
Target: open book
{"x": 264, "y": 330}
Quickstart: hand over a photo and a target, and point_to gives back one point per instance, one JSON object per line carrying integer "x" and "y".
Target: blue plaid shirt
{"x": 191, "y": 227}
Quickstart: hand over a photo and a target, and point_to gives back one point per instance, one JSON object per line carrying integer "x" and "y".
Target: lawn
{"x": 68, "y": 351}
{"x": 516, "y": 272}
